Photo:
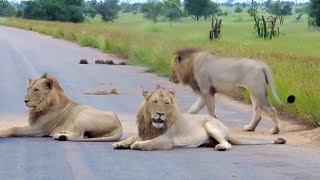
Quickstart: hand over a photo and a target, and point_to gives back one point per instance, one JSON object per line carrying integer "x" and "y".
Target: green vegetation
{"x": 294, "y": 57}
{"x": 6, "y": 9}
{"x": 314, "y": 11}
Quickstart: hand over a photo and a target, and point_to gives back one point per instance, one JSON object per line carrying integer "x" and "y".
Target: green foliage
{"x": 278, "y": 9}
{"x": 109, "y": 9}
{"x": 314, "y": 11}
{"x": 238, "y": 10}
{"x": 6, "y": 9}
{"x": 172, "y": 9}
{"x": 196, "y": 8}
{"x": 212, "y": 8}
{"x": 91, "y": 8}
{"x": 128, "y": 8}
{"x": 54, "y": 10}
{"x": 152, "y": 10}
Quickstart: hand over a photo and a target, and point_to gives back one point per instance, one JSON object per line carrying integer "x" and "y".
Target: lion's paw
{"x": 136, "y": 145}
{"x": 248, "y": 128}
{"x": 274, "y": 131}
{"x": 121, "y": 146}
{"x": 60, "y": 137}
{"x": 223, "y": 146}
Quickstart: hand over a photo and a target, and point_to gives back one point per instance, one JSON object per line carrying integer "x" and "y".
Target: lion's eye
{"x": 154, "y": 102}
{"x": 36, "y": 90}
{"x": 167, "y": 103}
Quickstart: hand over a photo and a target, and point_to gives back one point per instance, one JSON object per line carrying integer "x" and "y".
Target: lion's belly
{"x": 190, "y": 132}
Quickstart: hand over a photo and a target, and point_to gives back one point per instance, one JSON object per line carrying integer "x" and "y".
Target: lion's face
{"x": 160, "y": 105}
{"x": 175, "y": 65}
{"x": 37, "y": 95}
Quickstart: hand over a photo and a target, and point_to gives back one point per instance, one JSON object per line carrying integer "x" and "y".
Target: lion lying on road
{"x": 207, "y": 74}
{"x": 161, "y": 126}
{"x": 51, "y": 113}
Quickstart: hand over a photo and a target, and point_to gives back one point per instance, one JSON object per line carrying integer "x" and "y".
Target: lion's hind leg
{"x": 219, "y": 132}
{"x": 256, "y": 118}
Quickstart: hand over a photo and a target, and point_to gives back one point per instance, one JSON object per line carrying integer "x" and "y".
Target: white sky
{"x": 220, "y": 1}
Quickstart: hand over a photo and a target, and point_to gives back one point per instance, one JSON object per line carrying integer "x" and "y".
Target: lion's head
{"x": 182, "y": 68}
{"x": 157, "y": 113}
{"x": 42, "y": 93}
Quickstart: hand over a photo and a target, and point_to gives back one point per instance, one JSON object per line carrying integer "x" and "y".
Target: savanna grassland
{"x": 294, "y": 57}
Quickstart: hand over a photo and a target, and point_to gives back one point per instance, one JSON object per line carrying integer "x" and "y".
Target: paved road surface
{"x": 26, "y": 54}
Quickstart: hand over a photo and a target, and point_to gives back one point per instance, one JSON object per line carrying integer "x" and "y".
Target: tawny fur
{"x": 176, "y": 129}
{"x": 208, "y": 74}
{"x": 52, "y": 113}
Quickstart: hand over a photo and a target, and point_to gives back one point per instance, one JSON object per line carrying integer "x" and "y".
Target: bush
{"x": 238, "y": 10}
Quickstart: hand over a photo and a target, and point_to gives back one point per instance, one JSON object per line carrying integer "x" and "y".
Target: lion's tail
{"x": 116, "y": 136}
{"x": 255, "y": 142}
{"x": 269, "y": 79}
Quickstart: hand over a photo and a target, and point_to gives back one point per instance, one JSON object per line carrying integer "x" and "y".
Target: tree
{"x": 238, "y": 10}
{"x": 54, "y": 10}
{"x": 152, "y": 10}
{"x": 212, "y": 8}
{"x": 109, "y": 10}
{"x": 91, "y": 8}
{"x": 275, "y": 8}
{"x": 314, "y": 11}
{"x": 280, "y": 9}
{"x": 172, "y": 9}
{"x": 268, "y": 4}
{"x": 196, "y": 8}
{"x": 6, "y": 9}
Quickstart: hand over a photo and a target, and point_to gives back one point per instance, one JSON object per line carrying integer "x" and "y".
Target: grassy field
{"x": 294, "y": 57}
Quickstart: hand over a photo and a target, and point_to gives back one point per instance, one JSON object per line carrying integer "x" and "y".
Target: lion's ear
{"x": 49, "y": 83}
{"x": 172, "y": 93}
{"x": 179, "y": 58}
{"x": 145, "y": 94}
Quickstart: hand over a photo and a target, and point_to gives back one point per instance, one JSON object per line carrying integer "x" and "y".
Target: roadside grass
{"x": 294, "y": 57}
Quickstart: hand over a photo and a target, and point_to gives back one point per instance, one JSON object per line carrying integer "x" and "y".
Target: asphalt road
{"x": 26, "y": 54}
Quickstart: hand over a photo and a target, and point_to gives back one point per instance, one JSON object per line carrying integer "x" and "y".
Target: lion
{"x": 53, "y": 114}
{"x": 161, "y": 126}
{"x": 207, "y": 74}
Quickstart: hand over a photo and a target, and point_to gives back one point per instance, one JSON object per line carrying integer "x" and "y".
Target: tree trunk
{"x": 264, "y": 27}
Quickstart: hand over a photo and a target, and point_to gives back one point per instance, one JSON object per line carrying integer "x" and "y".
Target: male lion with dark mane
{"x": 208, "y": 74}
{"x": 161, "y": 127}
{"x": 52, "y": 113}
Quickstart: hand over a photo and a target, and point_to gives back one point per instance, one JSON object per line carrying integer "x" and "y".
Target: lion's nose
{"x": 26, "y": 101}
{"x": 160, "y": 114}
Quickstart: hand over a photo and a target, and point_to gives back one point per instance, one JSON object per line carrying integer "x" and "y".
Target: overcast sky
{"x": 221, "y": 1}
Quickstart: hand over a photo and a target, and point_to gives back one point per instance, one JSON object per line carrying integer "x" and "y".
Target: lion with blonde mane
{"x": 52, "y": 113}
{"x": 208, "y": 74}
{"x": 161, "y": 127}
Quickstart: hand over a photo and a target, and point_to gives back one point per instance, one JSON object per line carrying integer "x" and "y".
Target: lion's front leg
{"x": 125, "y": 144}
{"x": 27, "y": 131}
{"x": 198, "y": 105}
{"x": 158, "y": 143}
{"x": 211, "y": 104}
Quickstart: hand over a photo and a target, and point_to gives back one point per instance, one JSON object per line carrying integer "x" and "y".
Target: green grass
{"x": 294, "y": 57}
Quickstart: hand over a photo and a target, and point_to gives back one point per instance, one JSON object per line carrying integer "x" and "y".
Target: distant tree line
{"x": 77, "y": 10}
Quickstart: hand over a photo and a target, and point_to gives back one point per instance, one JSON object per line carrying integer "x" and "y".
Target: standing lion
{"x": 207, "y": 74}
{"x": 52, "y": 113}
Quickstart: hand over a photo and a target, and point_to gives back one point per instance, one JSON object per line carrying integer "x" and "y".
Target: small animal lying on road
{"x": 52, "y": 113}
{"x": 161, "y": 127}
